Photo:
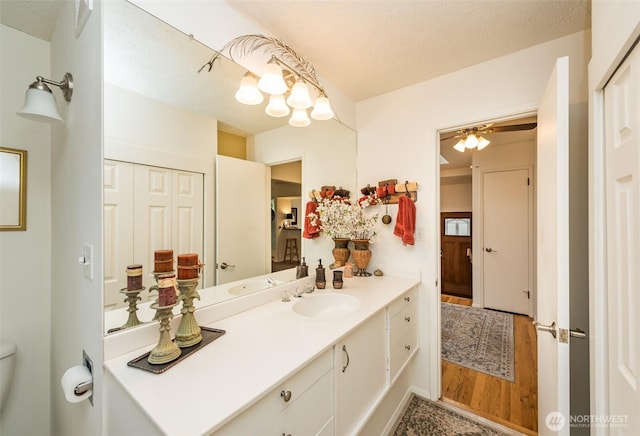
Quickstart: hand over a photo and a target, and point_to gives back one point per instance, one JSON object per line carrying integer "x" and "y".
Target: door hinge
{"x": 528, "y": 181}
{"x": 436, "y": 283}
{"x": 526, "y": 291}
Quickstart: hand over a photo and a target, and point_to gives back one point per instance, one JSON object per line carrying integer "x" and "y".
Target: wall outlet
{"x": 87, "y": 264}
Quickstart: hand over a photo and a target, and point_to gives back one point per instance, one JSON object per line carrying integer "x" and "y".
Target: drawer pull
{"x": 286, "y": 396}
{"x": 407, "y": 318}
{"x": 407, "y": 347}
{"x": 344, "y": 348}
{"x": 407, "y": 299}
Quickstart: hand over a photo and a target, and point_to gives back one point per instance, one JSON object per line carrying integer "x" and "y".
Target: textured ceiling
{"x": 367, "y": 47}
{"x": 37, "y": 18}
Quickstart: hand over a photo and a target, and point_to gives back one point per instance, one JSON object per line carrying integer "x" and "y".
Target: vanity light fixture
{"x": 39, "y": 102}
{"x": 287, "y": 78}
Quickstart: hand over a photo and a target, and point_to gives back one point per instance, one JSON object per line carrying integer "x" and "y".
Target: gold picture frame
{"x": 13, "y": 189}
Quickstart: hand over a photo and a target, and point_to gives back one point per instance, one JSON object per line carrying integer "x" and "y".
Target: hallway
{"x": 514, "y": 405}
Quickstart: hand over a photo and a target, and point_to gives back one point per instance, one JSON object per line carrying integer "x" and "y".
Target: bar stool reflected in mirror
{"x": 291, "y": 250}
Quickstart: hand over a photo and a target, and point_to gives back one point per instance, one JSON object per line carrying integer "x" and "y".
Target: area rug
{"x": 425, "y": 418}
{"x": 478, "y": 339}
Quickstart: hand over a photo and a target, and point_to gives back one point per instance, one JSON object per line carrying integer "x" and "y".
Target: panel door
{"x": 622, "y": 145}
{"x": 118, "y": 229}
{"x": 456, "y": 253}
{"x": 506, "y": 240}
{"x": 187, "y": 213}
{"x": 152, "y": 209}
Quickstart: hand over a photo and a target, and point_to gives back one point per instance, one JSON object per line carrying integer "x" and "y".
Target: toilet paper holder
{"x": 84, "y": 387}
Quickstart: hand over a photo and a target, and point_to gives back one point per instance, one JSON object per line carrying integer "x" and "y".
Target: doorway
{"x": 286, "y": 215}
{"x": 455, "y": 253}
{"x": 466, "y": 183}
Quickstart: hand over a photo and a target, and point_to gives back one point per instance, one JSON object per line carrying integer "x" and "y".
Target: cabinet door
{"x": 403, "y": 338}
{"x": 360, "y": 372}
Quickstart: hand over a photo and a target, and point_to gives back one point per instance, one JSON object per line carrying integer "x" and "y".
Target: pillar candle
{"x": 163, "y": 261}
{"x": 167, "y": 294}
{"x": 188, "y": 266}
{"x": 134, "y": 277}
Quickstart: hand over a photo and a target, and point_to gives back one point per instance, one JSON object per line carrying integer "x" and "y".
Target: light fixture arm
{"x": 66, "y": 85}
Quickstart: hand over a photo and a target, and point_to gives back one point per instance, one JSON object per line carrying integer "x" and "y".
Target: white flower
{"x": 339, "y": 218}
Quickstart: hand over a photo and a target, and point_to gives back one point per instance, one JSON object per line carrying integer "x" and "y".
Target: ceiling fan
{"x": 471, "y": 137}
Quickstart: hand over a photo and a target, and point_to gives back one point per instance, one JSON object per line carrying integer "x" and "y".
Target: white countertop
{"x": 261, "y": 348}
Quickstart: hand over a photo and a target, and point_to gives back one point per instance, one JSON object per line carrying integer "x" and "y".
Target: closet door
{"x": 118, "y": 229}
{"x": 152, "y": 211}
{"x": 187, "y": 213}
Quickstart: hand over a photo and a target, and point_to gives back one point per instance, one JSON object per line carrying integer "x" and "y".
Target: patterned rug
{"x": 478, "y": 339}
{"x": 425, "y": 418}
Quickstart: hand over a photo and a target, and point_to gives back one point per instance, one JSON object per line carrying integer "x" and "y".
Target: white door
{"x": 118, "y": 229}
{"x": 553, "y": 252}
{"x": 505, "y": 206}
{"x": 187, "y": 213}
{"x": 622, "y": 144}
{"x": 243, "y": 219}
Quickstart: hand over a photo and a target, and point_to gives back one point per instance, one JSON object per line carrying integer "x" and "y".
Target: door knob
{"x": 546, "y": 328}
{"x": 225, "y": 265}
{"x": 490, "y": 250}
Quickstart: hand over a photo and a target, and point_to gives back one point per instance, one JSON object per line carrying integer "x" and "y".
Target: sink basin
{"x": 253, "y": 286}
{"x": 325, "y": 306}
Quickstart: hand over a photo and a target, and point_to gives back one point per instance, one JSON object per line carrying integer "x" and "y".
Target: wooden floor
{"x": 514, "y": 405}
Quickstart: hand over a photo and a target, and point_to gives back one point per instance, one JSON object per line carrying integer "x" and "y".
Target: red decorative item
{"x": 188, "y": 266}
{"x": 163, "y": 261}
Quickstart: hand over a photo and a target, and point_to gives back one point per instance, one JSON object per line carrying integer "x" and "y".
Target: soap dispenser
{"x": 321, "y": 281}
{"x": 302, "y": 270}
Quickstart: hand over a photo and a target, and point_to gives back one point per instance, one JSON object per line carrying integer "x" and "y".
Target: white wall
{"x": 76, "y": 189}
{"x": 455, "y": 197}
{"x": 25, "y": 257}
{"x": 410, "y": 119}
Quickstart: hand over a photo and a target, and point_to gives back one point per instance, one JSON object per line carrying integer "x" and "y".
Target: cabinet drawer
{"x": 403, "y": 338}
{"x": 278, "y": 399}
{"x": 309, "y": 414}
{"x": 399, "y": 303}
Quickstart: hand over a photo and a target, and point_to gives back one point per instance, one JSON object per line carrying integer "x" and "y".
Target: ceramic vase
{"x": 341, "y": 251}
{"x": 361, "y": 256}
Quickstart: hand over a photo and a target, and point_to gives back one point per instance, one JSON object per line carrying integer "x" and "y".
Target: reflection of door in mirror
{"x": 147, "y": 208}
{"x": 286, "y": 193}
{"x": 243, "y": 219}
{"x": 456, "y": 253}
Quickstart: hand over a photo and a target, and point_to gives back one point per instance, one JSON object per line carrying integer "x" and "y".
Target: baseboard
{"x": 399, "y": 412}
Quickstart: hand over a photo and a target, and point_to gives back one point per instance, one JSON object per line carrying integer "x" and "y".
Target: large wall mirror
{"x": 164, "y": 180}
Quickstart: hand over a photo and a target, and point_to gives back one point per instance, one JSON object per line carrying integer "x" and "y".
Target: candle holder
{"x": 132, "y": 297}
{"x": 155, "y": 287}
{"x": 166, "y": 350}
{"x": 189, "y": 332}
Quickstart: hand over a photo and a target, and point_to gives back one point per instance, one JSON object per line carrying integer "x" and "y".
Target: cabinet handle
{"x": 344, "y": 348}
{"x": 286, "y": 396}
{"x": 407, "y": 299}
{"x": 407, "y": 319}
{"x": 284, "y": 434}
{"x": 407, "y": 347}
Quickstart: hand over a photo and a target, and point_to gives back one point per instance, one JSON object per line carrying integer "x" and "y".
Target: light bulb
{"x": 299, "y": 118}
{"x": 322, "y": 109}
{"x": 471, "y": 141}
{"x": 460, "y": 146}
{"x": 483, "y": 142}
{"x": 277, "y": 107}
{"x": 271, "y": 81}
{"x": 299, "y": 98}
{"x": 249, "y": 92}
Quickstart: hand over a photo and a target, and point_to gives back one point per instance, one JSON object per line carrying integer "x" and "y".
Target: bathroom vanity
{"x": 318, "y": 364}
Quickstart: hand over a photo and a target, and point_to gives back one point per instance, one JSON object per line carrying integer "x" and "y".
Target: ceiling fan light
{"x": 460, "y": 146}
{"x": 483, "y": 142}
{"x": 299, "y": 98}
{"x": 471, "y": 141}
{"x": 322, "y": 109}
{"x": 249, "y": 92}
{"x": 271, "y": 81}
{"x": 299, "y": 118}
{"x": 277, "y": 107}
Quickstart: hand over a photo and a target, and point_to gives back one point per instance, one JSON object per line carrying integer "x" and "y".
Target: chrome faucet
{"x": 307, "y": 290}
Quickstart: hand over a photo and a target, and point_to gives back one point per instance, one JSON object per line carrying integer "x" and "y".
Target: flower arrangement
{"x": 337, "y": 217}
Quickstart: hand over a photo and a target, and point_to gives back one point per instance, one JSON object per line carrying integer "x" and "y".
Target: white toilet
{"x": 7, "y": 363}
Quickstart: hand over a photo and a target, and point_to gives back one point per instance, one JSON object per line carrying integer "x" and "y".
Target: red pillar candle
{"x": 188, "y": 266}
{"x": 167, "y": 294}
{"x": 163, "y": 261}
{"x": 134, "y": 277}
